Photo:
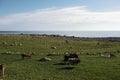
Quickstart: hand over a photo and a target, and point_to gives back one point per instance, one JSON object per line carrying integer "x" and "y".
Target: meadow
{"x": 91, "y": 67}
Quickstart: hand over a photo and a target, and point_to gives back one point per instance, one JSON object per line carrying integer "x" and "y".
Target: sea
{"x": 69, "y": 33}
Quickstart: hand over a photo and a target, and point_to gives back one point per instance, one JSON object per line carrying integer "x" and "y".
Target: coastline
{"x": 69, "y": 33}
{"x": 112, "y": 39}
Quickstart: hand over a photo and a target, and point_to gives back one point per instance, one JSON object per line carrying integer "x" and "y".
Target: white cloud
{"x": 71, "y": 18}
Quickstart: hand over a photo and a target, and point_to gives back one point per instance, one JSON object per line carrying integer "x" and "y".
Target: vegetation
{"x": 91, "y": 67}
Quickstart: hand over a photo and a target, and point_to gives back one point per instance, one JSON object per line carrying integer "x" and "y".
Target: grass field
{"x": 91, "y": 67}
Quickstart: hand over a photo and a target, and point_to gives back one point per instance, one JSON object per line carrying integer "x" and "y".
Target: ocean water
{"x": 69, "y": 33}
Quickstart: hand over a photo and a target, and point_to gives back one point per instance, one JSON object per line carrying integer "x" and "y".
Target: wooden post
{"x": 2, "y": 68}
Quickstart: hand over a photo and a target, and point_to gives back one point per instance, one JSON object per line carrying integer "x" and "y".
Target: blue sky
{"x": 59, "y": 14}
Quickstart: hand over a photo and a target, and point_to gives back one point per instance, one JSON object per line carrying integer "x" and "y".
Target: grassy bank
{"x": 92, "y": 66}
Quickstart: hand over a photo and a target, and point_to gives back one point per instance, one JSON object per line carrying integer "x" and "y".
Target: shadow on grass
{"x": 62, "y": 63}
{"x": 16, "y": 60}
{"x": 66, "y": 68}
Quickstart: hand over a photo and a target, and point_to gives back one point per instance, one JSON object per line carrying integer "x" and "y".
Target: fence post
{"x": 2, "y": 67}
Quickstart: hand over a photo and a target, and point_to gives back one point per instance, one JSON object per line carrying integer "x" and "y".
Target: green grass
{"x": 92, "y": 67}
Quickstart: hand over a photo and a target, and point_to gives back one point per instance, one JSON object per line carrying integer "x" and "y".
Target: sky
{"x": 60, "y": 15}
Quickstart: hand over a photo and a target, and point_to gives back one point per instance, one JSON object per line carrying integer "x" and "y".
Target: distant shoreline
{"x": 113, "y": 39}
{"x": 90, "y": 34}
